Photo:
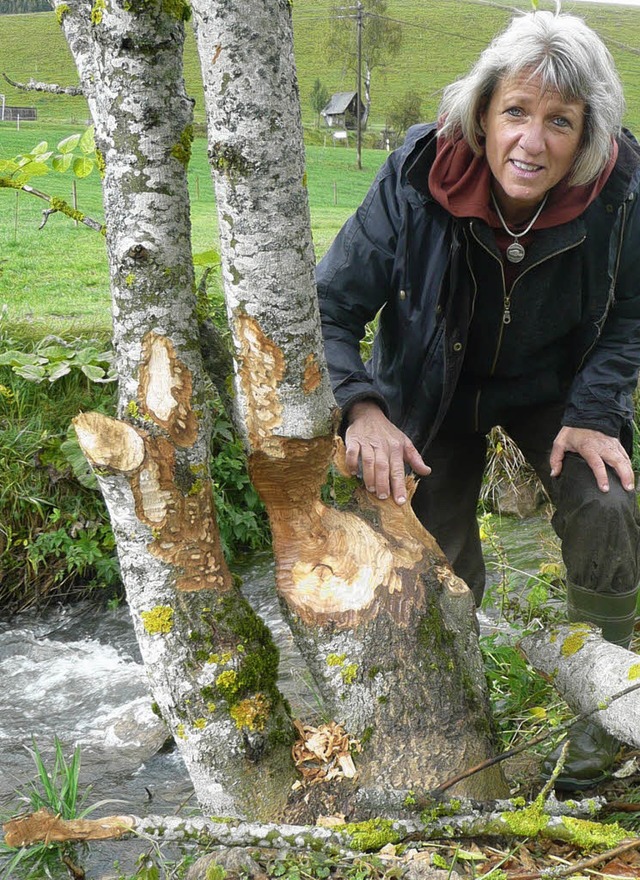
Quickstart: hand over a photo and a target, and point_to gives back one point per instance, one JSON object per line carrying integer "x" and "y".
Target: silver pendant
{"x": 515, "y": 252}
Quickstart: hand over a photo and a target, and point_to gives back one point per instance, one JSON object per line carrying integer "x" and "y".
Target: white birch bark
{"x": 211, "y": 663}
{"x": 588, "y": 672}
{"x": 386, "y": 628}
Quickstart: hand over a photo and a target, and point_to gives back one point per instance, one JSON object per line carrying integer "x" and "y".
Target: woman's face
{"x": 532, "y": 138}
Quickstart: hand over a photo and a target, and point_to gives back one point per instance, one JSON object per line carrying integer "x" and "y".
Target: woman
{"x": 503, "y": 247}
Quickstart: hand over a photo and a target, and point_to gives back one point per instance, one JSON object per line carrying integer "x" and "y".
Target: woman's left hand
{"x": 598, "y": 450}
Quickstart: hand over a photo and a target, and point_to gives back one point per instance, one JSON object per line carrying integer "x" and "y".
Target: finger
{"x": 352, "y": 454}
{"x": 369, "y": 475}
{"x": 599, "y": 469}
{"x": 415, "y": 460}
{"x": 556, "y": 458}
{"x": 623, "y": 469}
{"x": 382, "y": 472}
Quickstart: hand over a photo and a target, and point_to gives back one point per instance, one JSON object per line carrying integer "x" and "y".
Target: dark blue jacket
{"x": 403, "y": 255}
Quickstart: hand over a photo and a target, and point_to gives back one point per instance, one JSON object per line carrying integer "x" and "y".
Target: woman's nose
{"x": 532, "y": 138}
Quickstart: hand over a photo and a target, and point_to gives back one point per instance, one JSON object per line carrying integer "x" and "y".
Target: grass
{"x": 441, "y": 39}
{"x": 56, "y": 279}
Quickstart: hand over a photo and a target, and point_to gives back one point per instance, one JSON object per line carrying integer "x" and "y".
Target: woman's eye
{"x": 513, "y": 111}
{"x": 562, "y": 122}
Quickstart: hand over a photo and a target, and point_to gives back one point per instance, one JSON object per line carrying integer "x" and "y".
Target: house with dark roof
{"x": 342, "y": 111}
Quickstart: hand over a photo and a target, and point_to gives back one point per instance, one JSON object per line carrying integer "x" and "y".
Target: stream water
{"x": 76, "y": 673}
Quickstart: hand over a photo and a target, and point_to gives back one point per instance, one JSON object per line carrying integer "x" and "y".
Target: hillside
{"x": 441, "y": 38}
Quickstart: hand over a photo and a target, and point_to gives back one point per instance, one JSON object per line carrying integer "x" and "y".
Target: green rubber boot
{"x": 592, "y": 750}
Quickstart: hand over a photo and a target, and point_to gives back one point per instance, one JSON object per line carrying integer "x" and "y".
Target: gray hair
{"x": 570, "y": 59}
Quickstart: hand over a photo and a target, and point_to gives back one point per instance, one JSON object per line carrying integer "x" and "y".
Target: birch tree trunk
{"x": 211, "y": 662}
{"x": 386, "y": 628}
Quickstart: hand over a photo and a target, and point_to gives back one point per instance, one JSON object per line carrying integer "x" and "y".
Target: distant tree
{"x": 381, "y": 40}
{"x": 319, "y": 98}
{"x": 405, "y": 112}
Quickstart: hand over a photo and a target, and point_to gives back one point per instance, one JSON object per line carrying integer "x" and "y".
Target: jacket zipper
{"x": 612, "y": 288}
{"x": 506, "y": 302}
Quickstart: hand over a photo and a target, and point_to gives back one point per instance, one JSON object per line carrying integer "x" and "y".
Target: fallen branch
{"x": 444, "y": 822}
{"x": 591, "y": 675}
{"x": 52, "y": 88}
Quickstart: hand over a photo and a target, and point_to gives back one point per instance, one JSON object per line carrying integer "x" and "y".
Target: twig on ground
{"x": 578, "y": 867}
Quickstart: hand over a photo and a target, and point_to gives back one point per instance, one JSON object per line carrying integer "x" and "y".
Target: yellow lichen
{"x": 252, "y": 713}
{"x": 634, "y": 672}
{"x": 336, "y": 659}
{"x": 158, "y": 620}
{"x": 349, "y": 673}
{"x": 200, "y": 723}
{"x": 575, "y": 640}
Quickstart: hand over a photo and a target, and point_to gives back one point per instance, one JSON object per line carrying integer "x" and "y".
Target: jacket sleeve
{"x": 355, "y": 281}
{"x": 601, "y": 394}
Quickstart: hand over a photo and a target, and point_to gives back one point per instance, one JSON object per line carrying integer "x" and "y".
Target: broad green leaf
{"x": 91, "y": 371}
{"x": 32, "y": 372}
{"x": 41, "y": 148}
{"x": 19, "y": 359}
{"x": 87, "y": 142}
{"x": 62, "y": 163}
{"x": 33, "y": 169}
{"x": 59, "y": 371}
{"x": 68, "y": 144}
{"x": 82, "y": 166}
{"x": 87, "y": 355}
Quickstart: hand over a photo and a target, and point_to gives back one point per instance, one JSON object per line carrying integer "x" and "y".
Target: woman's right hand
{"x": 383, "y": 450}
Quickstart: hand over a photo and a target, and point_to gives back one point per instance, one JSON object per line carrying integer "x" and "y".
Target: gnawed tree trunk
{"x": 588, "y": 672}
{"x": 386, "y": 628}
{"x": 211, "y": 662}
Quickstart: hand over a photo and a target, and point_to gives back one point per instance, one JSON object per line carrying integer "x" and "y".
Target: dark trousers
{"x": 600, "y": 531}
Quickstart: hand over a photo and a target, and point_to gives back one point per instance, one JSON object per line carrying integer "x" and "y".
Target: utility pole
{"x": 359, "y": 87}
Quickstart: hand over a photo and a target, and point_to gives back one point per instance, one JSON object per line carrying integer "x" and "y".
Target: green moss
{"x": 181, "y": 732}
{"x": 439, "y": 809}
{"x": 336, "y": 659}
{"x": 227, "y": 684}
{"x": 215, "y": 872}
{"x": 182, "y": 150}
{"x": 156, "y": 709}
{"x": 97, "y": 10}
{"x": 178, "y": 9}
{"x": 593, "y": 835}
{"x": 132, "y": 410}
{"x": 200, "y": 723}
{"x": 101, "y": 165}
{"x": 575, "y": 640}
{"x": 228, "y": 160}
{"x": 634, "y": 672}
{"x": 158, "y": 620}
{"x": 349, "y": 673}
{"x": 409, "y": 800}
{"x": 367, "y": 733}
{"x": 61, "y": 11}
{"x": 371, "y": 836}
{"x": 130, "y": 279}
{"x": 196, "y": 487}
{"x": 528, "y": 821}
{"x": 65, "y": 208}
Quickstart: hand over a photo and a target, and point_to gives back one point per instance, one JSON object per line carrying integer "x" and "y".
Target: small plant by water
{"x": 55, "y": 788}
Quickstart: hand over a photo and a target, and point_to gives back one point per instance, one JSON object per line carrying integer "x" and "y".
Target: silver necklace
{"x": 515, "y": 252}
